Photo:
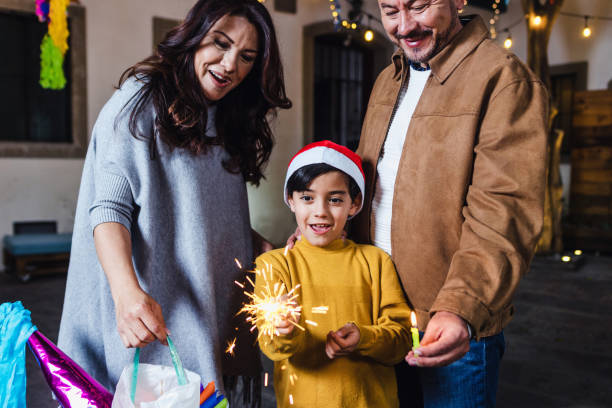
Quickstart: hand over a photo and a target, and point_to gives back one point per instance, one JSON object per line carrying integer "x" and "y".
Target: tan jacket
{"x": 469, "y": 193}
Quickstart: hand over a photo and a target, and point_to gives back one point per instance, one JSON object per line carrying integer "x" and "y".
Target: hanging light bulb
{"x": 368, "y": 35}
{"x": 508, "y": 41}
{"x": 537, "y": 20}
{"x": 586, "y": 31}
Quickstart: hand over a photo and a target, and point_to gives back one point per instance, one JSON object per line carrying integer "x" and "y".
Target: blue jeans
{"x": 469, "y": 382}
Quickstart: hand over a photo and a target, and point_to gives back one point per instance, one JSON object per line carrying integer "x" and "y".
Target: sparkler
{"x": 271, "y": 305}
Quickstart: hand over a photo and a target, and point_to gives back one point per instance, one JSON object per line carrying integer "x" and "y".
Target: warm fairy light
{"x": 353, "y": 25}
{"x": 492, "y": 21}
{"x": 238, "y": 263}
{"x": 578, "y": 252}
{"x": 368, "y": 35}
{"x": 231, "y": 345}
{"x": 273, "y": 304}
{"x": 537, "y": 20}
{"x": 335, "y": 14}
{"x": 566, "y": 258}
{"x": 345, "y": 23}
{"x": 508, "y": 42}
{"x": 332, "y": 7}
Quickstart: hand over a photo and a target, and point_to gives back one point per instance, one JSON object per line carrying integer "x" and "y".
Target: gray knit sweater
{"x": 188, "y": 218}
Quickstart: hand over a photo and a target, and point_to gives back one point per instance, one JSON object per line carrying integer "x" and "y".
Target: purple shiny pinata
{"x": 72, "y": 386}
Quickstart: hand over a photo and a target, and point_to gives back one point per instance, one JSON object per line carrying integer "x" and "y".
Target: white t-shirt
{"x": 388, "y": 163}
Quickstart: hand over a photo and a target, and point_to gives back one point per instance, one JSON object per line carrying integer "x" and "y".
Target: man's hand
{"x": 139, "y": 318}
{"x": 343, "y": 341}
{"x": 293, "y": 238}
{"x": 446, "y": 340}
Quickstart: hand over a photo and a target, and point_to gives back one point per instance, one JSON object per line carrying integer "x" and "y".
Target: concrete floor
{"x": 558, "y": 351}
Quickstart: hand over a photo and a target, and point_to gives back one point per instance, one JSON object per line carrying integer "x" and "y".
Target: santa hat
{"x": 328, "y": 152}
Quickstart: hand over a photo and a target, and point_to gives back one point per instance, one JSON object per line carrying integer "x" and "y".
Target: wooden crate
{"x": 590, "y": 225}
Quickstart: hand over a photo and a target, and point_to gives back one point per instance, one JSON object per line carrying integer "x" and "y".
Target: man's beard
{"x": 423, "y": 56}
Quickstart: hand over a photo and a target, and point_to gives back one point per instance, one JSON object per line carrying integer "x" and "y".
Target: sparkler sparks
{"x": 271, "y": 305}
{"x": 265, "y": 379}
{"x": 238, "y": 263}
{"x": 310, "y": 322}
{"x": 320, "y": 309}
{"x": 231, "y": 345}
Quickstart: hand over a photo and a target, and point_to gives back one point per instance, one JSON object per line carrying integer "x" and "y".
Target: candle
{"x": 414, "y": 330}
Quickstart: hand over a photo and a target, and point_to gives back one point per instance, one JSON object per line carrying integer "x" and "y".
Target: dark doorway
{"x": 343, "y": 79}
{"x": 565, "y": 81}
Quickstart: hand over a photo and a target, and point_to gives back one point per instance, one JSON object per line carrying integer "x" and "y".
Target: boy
{"x": 346, "y": 359}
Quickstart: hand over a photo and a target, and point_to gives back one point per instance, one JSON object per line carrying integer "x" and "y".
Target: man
{"x": 454, "y": 147}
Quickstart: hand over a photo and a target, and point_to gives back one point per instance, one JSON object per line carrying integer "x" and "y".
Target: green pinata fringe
{"x": 51, "y": 65}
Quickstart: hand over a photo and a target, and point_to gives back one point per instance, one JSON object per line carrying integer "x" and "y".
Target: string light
{"x": 586, "y": 31}
{"x": 536, "y": 20}
{"x": 508, "y": 41}
{"x": 353, "y": 22}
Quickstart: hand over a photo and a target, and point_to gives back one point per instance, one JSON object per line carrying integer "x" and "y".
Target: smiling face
{"x": 322, "y": 209}
{"x": 226, "y": 55}
{"x": 421, "y": 28}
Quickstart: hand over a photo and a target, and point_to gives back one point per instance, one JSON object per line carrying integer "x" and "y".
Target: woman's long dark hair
{"x": 173, "y": 88}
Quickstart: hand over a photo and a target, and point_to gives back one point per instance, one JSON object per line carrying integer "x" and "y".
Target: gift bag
{"x": 155, "y": 386}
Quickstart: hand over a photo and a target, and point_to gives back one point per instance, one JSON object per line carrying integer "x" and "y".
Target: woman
{"x": 163, "y": 200}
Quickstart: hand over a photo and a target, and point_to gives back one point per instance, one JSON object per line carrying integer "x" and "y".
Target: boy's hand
{"x": 343, "y": 341}
{"x": 284, "y": 326}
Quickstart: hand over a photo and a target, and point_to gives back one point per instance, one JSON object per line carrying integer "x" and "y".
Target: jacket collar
{"x": 474, "y": 31}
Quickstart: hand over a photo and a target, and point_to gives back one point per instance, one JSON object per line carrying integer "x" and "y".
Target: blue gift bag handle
{"x": 176, "y": 361}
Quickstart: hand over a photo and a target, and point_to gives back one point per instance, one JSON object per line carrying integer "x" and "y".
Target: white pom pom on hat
{"x": 330, "y": 153}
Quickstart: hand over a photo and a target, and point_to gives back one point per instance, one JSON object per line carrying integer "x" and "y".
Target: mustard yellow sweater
{"x": 359, "y": 284}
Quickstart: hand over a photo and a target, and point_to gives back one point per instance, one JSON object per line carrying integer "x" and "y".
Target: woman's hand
{"x": 343, "y": 341}
{"x": 260, "y": 244}
{"x": 139, "y": 318}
